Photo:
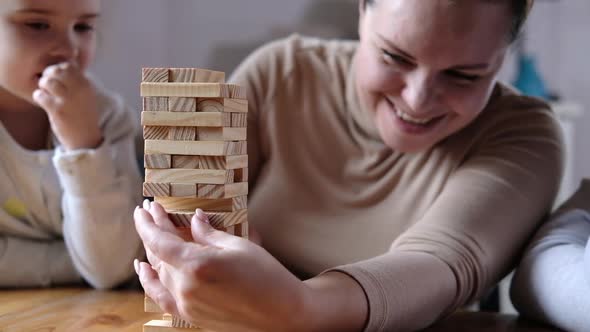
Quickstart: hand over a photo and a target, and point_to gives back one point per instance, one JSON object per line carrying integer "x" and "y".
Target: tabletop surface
{"x": 65, "y": 310}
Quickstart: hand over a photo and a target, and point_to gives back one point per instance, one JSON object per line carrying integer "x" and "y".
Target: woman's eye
{"x": 462, "y": 76}
{"x": 396, "y": 59}
{"x": 38, "y": 26}
{"x": 83, "y": 27}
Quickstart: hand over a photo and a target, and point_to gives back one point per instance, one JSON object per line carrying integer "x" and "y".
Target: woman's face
{"x": 426, "y": 69}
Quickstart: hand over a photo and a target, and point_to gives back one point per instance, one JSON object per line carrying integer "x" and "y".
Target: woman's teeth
{"x": 409, "y": 118}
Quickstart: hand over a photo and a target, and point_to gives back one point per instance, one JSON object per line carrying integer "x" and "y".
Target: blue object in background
{"x": 528, "y": 79}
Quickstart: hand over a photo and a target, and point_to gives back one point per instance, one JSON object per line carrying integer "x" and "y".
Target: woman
{"x": 393, "y": 174}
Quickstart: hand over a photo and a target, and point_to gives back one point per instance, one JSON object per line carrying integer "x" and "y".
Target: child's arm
{"x": 552, "y": 283}
{"x": 30, "y": 263}
{"x": 101, "y": 187}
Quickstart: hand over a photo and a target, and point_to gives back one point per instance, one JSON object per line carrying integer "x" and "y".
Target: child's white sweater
{"x": 67, "y": 216}
{"x": 552, "y": 283}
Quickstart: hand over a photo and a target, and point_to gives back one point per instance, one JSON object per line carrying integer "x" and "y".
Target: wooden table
{"x": 84, "y": 310}
{"x": 65, "y": 310}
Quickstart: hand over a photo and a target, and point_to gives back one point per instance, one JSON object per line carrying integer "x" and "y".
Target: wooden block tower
{"x": 194, "y": 127}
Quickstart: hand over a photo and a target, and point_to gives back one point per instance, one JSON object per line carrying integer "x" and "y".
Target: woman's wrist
{"x": 333, "y": 301}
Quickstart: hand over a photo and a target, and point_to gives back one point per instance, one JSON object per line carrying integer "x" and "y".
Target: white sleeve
{"x": 552, "y": 283}
{"x": 101, "y": 189}
{"x": 31, "y": 263}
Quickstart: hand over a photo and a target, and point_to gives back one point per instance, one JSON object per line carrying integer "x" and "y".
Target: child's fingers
{"x": 47, "y": 101}
{"x": 53, "y": 86}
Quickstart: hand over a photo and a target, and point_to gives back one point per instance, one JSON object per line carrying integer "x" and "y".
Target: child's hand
{"x": 70, "y": 100}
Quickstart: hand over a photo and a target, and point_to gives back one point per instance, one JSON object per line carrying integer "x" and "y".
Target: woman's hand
{"x": 70, "y": 100}
{"x": 216, "y": 281}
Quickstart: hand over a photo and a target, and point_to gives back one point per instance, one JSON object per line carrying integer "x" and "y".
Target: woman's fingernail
{"x": 202, "y": 216}
{"x": 146, "y": 204}
{"x": 136, "y": 265}
{"x": 136, "y": 208}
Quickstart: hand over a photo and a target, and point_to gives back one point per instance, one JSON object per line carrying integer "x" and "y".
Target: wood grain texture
{"x": 184, "y": 204}
{"x": 166, "y": 326}
{"x": 221, "y": 134}
{"x": 239, "y": 119}
{"x": 67, "y": 310}
{"x": 215, "y": 191}
{"x": 160, "y": 75}
{"x": 210, "y": 162}
{"x": 217, "y": 220}
{"x": 155, "y": 132}
{"x": 153, "y": 189}
{"x": 160, "y": 161}
{"x": 196, "y": 148}
{"x": 195, "y": 176}
{"x": 179, "y": 322}
{"x": 182, "y": 190}
{"x": 196, "y": 75}
{"x": 199, "y": 90}
{"x": 240, "y": 175}
{"x": 182, "y": 133}
{"x": 155, "y": 104}
{"x": 182, "y": 104}
{"x": 186, "y": 119}
{"x": 227, "y": 105}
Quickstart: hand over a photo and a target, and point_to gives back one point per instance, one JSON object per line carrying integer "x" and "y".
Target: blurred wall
{"x": 217, "y": 34}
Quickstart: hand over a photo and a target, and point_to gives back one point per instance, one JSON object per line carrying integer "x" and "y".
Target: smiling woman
{"x": 386, "y": 172}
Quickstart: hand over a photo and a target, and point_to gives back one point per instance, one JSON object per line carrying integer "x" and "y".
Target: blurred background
{"x": 551, "y": 60}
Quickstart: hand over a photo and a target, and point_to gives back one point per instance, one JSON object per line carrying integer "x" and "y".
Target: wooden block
{"x": 179, "y": 322}
{"x": 221, "y": 134}
{"x": 155, "y": 104}
{"x": 155, "y": 75}
{"x": 214, "y": 191}
{"x": 210, "y": 162}
{"x": 182, "y": 133}
{"x": 187, "y": 162}
{"x": 153, "y": 189}
{"x": 227, "y": 162}
{"x": 217, "y": 219}
{"x": 157, "y": 161}
{"x": 213, "y": 205}
{"x": 194, "y": 176}
{"x": 182, "y": 104}
{"x": 155, "y": 132}
{"x": 166, "y": 326}
{"x": 196, "y": 75}
{"x": 150, "y": 306}
{"x": 239, "y": 119}
{"x": 222, "y": 105}
{"x": 240, "y": 175}
{"x": 200, "y": 90}
{"x": 195, "y": 148}
{"x": 241, "y": 230}
{"x": 186, "y": 119}
{"x": 182, "y": 190}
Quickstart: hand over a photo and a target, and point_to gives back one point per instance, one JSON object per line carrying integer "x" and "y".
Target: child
{"x": 69, "y": 181}
{"x": 552, "y": 283}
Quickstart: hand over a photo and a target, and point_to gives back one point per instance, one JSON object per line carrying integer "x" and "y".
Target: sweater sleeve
{"x": 552, "y": 282}
{"x": 101, "y": 188}
{"x": 468, "y": 238}
{"x": 31, "y": 263}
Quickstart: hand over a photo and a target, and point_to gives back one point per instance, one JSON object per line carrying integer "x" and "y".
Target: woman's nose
{"x": 419, "y": 92}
